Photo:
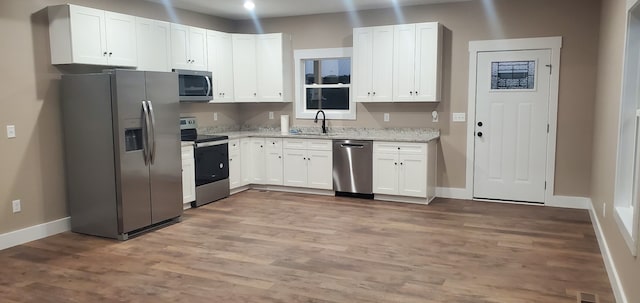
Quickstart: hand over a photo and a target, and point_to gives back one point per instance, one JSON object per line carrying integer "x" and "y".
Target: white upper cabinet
{"x": 417, "y": 62}
{"x": 84, "y": 35}
{"x": 373, "y": 63}
{"x": 261, "y": 67}
{"x": 154, "y": 45}
{"x": 220, "y": 60}
{"x": 244, "y": 68}
{"x": 188, "y": 47}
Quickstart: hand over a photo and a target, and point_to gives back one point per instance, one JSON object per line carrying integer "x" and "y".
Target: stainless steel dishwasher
{"x": 353, "y": 167}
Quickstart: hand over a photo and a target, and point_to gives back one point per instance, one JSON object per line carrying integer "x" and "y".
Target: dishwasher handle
{"x": 351, "y": 145}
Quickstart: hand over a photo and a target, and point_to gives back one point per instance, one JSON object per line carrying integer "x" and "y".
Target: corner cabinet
{"x": 220, "y": 62}
{"x": 417, "y": 62}
{"x": 262, "y": 67}
{"x": 154, "y": 45}
{"x": 373, "y": 64}
{"x": 188, "y": 175}
{"x": 82, "y": 35}
{"x": 188, "y": 47}
{"x": 405, "y": 169}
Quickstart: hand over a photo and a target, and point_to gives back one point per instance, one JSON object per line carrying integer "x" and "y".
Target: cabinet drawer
{"x": 294, "y": 143}
{"x": 318, "y": 144}
{"x": 400, "y": 147}
{"x": 234, "y": 145}
{"x": 273, "y": 144}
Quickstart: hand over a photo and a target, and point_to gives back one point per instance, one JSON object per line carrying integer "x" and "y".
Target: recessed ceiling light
{"x": 249, "y": 5}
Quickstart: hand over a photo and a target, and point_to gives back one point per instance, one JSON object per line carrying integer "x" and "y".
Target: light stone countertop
{"x": 416, "y": 135}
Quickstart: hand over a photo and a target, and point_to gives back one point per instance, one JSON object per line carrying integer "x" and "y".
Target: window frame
{"x": 300, "y": 84}
{"x": 627, "y": 180}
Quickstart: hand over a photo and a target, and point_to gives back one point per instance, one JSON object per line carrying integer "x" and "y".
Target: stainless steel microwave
{"x": 194, "y": 86}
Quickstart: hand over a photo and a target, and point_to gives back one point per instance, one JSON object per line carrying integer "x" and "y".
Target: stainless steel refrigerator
{"x": 122, "y": 151}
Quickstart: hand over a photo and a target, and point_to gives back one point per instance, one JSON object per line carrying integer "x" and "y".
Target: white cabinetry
{"x": 235, "y": 160}
{"x": 308, "y": 163}
{"x": 273, "y": 161}
{"x": 220, "y": 61}
{"x": 261, "y": 67}
{"x": 253, "y": 170}
{"x": 188, "y": 175}
{"x": 154, "y": 45}
{"x": 404, "y": 169}
{"x": 417, "y": 62}
{"x": 188, "y": 47}
{"x": 373, "y": 63}
{"x": 91, "y": 36}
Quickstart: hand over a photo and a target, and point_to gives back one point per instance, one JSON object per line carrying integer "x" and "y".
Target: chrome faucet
{"x": 324, "y": 118}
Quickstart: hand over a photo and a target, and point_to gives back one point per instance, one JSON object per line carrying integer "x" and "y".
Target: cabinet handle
{"x": 104, "y": 54}
{"x": 280, "y": 94}
{"x": 374, "y": 93}
{"x": 260, "y": 146}
{"x": 416, "y": 93}
{"x": 279, "y": 157}
{"x": 273, "y": 143}
{"x": 304, "y": 158}
{"x": 398, "y": 148}
{"x": 368, "y": 93}
{"x": 255, "y": 94}
{"x": 230, "y": 159}
{"x": 411, "y": 93}
{"x": 193, "y": 61}
{"x": 401, "y": 163}
{"x": 395, "y": 163}
{"x": 110, "y": 53}
{"x": 309, "y": 159}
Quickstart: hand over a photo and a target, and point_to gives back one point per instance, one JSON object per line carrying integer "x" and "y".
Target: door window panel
{"x": 508, "y": 75}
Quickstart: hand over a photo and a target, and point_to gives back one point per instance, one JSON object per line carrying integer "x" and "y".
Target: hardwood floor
{"x": 282, "y": 247}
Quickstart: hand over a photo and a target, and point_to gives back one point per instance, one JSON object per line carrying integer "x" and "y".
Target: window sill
{"x": 624, "y": 216}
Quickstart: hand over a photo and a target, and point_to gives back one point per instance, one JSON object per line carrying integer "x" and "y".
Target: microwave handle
{"x": 209, "y": 87}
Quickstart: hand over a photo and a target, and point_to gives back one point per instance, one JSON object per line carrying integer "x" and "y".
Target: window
{"x": 627, "y": 184}
{"x": 323, "y": 82}
{"x": 513, "y": 75}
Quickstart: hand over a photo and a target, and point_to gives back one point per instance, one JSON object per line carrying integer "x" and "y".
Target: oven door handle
{"x": 153, "y": 132}
{"x": 145, "y": 133}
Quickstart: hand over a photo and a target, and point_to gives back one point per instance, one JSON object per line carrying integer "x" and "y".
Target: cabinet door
{"x": 220, "y": 64}
{"x": 427, "y": 75}
{"x": 295, "y": 167}
{"x": 121, "y": 39}
{"x": 273, "y": 161}
{"x": 88, "y": 35}
{"x": 404, "y": 40}
{"x": 154, "y": 45}
{"x": 198, "y": 48}
{"x": 320, "y": 169}
{"x": 385, "y": 173}
{"x": 244, "y": 68}
{"x": 362, "y": 63}
{"x": 235, "y": 170}
{"x": 180, "y": 46}
{"x": 257, "y": 159}
{"x": 188, "y": 175}
{"x": 247, "y": 161}
{"x": 382, "y": 64}
{"x": 413, "y": 176}
{"x": 270, "y": 68}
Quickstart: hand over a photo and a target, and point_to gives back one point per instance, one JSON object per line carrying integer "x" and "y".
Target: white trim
{"x": 569, "y": 202}
{"x": 35, "y": 232}
{"x": 240, "y": 189}
{"x": 301, "y": 54}
{"x": 614, "y": 278}
{"x": 552, "y": 43}
{"x": 452, "y": 193}
{"x": 298, "y": 190}
{"x": 402, "y": 199}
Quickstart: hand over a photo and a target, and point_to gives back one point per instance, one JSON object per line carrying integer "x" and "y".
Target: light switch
{"x": 386, "y": 117}
{"x": 459, "y": 117}
{"x": 11, "y": 131}
{"x": 215, "y": 116}
{"x": 16, "y": 207}
{"x": 270, "y": 115}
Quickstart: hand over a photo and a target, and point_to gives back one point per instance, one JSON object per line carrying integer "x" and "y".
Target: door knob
{"x": 480, "y": 123}
{"x": 479, "y": 134}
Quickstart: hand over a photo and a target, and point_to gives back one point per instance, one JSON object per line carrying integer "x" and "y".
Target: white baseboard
{"x": 614, "y": 278}
{"x": 35, "y": 232}
{"x": 453, "y": 193}
{"x": 569, "y": 202}
{"x": 298, "y": 190}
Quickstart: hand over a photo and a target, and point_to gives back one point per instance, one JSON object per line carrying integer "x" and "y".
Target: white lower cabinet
{"x": 235, "y": 160}
{"x": 188, "y": 175}
{"x": 308, "y": 163}
{"x": 252, "y": 167}
{"x": 404, "y": 169}
{"x": 273, "y": 162}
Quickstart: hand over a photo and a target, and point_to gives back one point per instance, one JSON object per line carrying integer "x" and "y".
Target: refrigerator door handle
{"x": 145, "y": 133}
{"x": 153, "y": 131}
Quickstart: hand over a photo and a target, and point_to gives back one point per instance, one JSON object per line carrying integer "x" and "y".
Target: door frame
{"x": 546, "y": 43}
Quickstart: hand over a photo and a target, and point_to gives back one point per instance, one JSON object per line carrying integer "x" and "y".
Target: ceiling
{"x": 233, "y": 9}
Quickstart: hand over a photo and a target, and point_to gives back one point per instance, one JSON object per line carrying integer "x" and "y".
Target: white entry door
{"x": 512, "y": 110}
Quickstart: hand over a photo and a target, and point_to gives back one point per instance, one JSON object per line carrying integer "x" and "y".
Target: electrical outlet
{"x": 604, "y": 210}
{"x": 270, "y": 115}
{"x": 215, "y": 116}
{"x": 386, "y": 117}
{"x": 434, "y": 116}
{"x": 11, "y": 131}
{"x": 16, "y": 206}
{"x": 459, "y": 117}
